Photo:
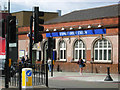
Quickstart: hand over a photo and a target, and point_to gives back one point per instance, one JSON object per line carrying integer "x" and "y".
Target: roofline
{"x": 31, "y": 11}
{"x": 97, "y": 7}
{"x": 89, "y": 9}
{"x": 81, "y": 20}
{"x": 84, "y": 10}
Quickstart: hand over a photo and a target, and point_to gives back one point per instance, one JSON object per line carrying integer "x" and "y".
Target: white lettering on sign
{"x": 85, "y": 32}
{"x": 63, "y": 33}
{"x": 80, "y": 32}
{"x": 71, "y": 33}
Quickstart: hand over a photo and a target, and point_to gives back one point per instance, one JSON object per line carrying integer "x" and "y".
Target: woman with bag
{"x": 81, "y": 65}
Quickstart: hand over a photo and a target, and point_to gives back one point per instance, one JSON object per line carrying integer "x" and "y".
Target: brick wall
{"x": 103, "y": 21}
{"x": 89, "y": 68}
{"x": 111, "y": 35}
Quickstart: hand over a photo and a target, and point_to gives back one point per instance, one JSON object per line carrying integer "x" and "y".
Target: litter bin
{"x": 27, "y": 78}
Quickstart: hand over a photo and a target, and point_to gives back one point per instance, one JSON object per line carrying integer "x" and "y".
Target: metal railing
{"x": 39, "y": 76}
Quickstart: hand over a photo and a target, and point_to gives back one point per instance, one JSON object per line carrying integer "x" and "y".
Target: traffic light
{"x": 2, "y": 28}
{"x": 37, "y": 35}
{"x": 11, "y": 28}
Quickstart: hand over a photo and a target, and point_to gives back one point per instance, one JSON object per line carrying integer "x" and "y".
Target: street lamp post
{"x": 9, "y": 6}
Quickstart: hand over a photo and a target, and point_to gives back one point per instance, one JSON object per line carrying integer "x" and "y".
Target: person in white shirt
{"x": 49, "y": 64}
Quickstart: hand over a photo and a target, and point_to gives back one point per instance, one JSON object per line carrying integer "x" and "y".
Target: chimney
{"x": 59, "y": 12}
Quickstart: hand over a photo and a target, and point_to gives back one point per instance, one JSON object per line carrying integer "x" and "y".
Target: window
{"x": 79, "y": 50}
{"x": 62, "y": 51}
{"x": 102, "y": 51}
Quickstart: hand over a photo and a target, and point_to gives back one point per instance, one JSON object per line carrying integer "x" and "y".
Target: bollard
{"x": 108, "y": 77}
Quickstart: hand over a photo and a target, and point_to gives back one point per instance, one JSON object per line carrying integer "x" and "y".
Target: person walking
{"x": 81, "y": 65}
{"x": 49, "y": 64}
{"x": 23, "y": 59}
{"x": 27, "y": 59}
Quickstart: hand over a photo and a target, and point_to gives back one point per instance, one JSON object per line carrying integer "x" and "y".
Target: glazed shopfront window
{"x": 79, "y": 50}
{"x": 62, "y": 51}
{"x": 102, "y": 51}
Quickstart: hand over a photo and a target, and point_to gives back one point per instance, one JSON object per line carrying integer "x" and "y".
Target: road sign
{"x": 29, "y": 73}
{"x": 12, "y": 44}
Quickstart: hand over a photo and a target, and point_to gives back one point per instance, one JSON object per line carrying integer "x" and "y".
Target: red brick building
{"x": 91, "y": 34}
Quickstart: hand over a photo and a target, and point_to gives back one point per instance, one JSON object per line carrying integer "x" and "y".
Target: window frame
{"x": 63, "y": 49}
{"x": 102, "y": 46}
{"x": 78, "y": 49}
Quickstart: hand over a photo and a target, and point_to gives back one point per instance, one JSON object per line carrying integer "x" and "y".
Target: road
{"x": 80, "y": 84}
{"x": 62, "y": 82}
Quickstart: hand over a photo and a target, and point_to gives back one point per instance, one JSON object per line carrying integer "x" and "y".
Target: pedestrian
{"x": 49, "y": 64}
{"x": 81, "y": 65}
{"x": 23, "y": 59}
{"x": 27, "y": 59}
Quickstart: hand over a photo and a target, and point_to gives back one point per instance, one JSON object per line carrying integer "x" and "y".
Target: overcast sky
{"x": 54, "y": 5}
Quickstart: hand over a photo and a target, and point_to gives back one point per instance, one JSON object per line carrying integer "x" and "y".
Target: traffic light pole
{"x": 52, "y": 61}
{"x": 50, "y": 52}
{"x": 9, "y": 6}
{"x": 30, "y": 53}
{"x": 7, "y": 55}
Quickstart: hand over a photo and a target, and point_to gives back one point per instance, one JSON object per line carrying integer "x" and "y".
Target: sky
{"x": 66, "y": 6}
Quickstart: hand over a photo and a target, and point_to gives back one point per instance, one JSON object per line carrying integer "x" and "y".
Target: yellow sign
{"x": 23, "y": 78}
{"x": 27, "y": 78}
{"x": 9, "y": 62}
{"x": 53, "y": 62}
{"x": 29, "y": 82}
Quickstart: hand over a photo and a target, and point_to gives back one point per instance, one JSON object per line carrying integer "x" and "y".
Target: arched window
{"x": 102, "y": 50}
{"x": 62, "y": 51}
{"x": 79, "y": 50}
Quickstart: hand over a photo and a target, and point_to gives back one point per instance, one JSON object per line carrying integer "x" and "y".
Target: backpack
{"x": 80, "y": 62}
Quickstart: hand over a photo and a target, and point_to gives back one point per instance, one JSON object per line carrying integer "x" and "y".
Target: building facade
{"x": 91, "y": 34}
{"x": 23, "y": 17}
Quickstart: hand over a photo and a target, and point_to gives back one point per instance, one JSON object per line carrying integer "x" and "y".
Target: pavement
{"x": 92, "y": 77}
{"x": 88, "y": 77}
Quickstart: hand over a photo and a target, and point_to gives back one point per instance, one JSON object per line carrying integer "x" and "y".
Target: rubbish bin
{"x": 27, "y": 78}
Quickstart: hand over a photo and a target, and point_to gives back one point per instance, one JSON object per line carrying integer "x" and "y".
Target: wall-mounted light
{"x": 63, "y": 28}
{"x": 55, "y": 29}
{"x": 89, "y": 26}
{"x": 47, "y": 30}
{"x": 99, "y": 25}
{"x": 71, "y": 28}
{"x": 79, "y": 27}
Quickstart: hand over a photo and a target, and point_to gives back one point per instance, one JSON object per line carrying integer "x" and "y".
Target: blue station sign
{"x": 73, "y": 33}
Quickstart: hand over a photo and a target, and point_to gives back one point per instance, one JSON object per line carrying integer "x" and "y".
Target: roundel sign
{"x": 29, "y": 73}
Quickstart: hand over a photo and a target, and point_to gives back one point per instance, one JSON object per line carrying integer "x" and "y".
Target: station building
{"x": 91, "y": 34}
